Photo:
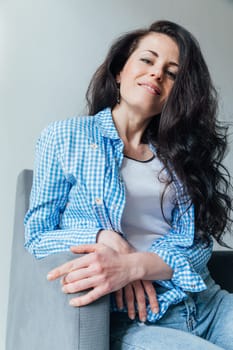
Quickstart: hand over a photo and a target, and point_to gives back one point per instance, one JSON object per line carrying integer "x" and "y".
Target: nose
{"x": 157, "y": 73}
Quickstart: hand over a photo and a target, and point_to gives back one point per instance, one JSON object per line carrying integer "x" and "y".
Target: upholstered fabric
{"x": 39, "y": 316}
{"x": 221, "y": 267}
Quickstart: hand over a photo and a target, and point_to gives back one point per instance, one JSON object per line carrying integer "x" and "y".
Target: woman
{"x": 122, "y": 184}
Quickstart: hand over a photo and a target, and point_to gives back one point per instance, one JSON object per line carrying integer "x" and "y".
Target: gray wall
{"x": 49, "y": 50}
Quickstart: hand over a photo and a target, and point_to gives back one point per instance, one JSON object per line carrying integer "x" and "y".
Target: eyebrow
{"x": 172, "y": 63}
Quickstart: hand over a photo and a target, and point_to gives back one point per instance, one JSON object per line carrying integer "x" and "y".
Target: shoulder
{"x": 70, "y": 130}
{"x": 69, "y": 127}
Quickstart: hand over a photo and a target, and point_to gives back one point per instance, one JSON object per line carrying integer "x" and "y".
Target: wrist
{"x": 114, "y": 240}
{"x": 133, "y": 266}
{"x": 148, "y": 266}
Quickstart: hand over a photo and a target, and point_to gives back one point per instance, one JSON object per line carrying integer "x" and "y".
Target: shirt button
{"x": 193, "y": 286}
{"x": 94, "y": 145}
{"x": 99, "y": 201}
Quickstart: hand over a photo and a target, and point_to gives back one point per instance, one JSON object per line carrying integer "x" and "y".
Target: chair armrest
{"x": 39, "y": 315}
{"x": 221, "y": 267}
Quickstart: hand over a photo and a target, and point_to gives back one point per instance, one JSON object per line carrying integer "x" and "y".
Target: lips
{"x": 152, "y": 88}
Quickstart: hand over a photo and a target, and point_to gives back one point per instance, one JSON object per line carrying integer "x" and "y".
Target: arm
{"x": 110, "y": 266}
{"x": 105, "y": 270}
{"x": 179, "y": 251}
{"x": 49, "y": 196}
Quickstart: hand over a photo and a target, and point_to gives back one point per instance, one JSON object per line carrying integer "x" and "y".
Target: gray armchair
{"x": 39, "y": 316}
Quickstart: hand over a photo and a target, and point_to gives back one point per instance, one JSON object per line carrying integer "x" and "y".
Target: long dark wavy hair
{"x": 188, "y": 137}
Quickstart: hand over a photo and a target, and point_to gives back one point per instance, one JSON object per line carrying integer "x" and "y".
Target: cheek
{"x": 169, "y": 88}
{"x": 129, "y": 73}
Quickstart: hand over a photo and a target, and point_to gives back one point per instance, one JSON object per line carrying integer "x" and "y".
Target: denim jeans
{"x": 204, "y": 319}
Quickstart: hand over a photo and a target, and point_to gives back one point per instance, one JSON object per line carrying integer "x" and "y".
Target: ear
{"x": 118, "y": 78}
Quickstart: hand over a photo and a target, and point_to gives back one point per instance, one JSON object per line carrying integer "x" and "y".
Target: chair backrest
{"x": 221, "y": 267}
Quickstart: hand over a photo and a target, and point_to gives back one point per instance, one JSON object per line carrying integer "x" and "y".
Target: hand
{"x": 115, "y": 241}
{"x": 103, "y": 270}
{"x": 136, "y": 292}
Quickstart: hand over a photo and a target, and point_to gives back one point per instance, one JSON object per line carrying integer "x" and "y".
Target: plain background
{"x": 49, "y": 50}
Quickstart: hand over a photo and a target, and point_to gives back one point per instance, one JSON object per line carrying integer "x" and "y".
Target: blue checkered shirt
{"x": 78, "y": 190}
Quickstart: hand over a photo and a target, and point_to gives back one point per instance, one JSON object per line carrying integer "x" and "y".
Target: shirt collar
{"x": 104, "y": 122}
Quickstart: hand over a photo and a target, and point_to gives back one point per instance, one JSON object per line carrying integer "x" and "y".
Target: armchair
{"x": 39, "y": 316}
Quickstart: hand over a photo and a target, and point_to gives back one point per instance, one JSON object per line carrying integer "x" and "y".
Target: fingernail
{"x": 72, "y": 302}
{"x": 132, "y": 317}
{"x": 143, "y": 319}
{"x": 155, "y": 310}
{"x": 49, "y": 276}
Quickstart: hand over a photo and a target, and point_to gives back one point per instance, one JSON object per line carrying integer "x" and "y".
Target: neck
{"x": 130, "y": 125}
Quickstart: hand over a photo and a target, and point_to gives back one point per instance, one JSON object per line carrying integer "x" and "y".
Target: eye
{"x": 146, "y": 60}
{"x": 171, "y": 75}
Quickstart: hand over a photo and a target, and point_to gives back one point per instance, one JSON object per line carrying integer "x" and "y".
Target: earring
{"x": 118, "y": 95}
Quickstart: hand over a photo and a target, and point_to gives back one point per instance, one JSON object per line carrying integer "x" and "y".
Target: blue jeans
{"x": 204, "y": 319}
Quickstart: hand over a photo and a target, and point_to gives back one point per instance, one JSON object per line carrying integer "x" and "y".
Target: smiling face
{"x": 148, "y": 75}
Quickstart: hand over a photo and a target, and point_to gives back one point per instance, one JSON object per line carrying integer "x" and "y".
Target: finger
{"x": 129, "y": 299}
{"x": 89, "y": 297}
{"x": 119, "y": 299}
{"x": 141, "y": 300}
{"x": 79, "y": 274}
{"x": 69, "y": 266}
{"x": 84, "y": 248}
{"x": 81, "y": 285}
{"x": 152, "y": 296}
{"x": 63, "y": 281}
{"x": 61, "y": 270}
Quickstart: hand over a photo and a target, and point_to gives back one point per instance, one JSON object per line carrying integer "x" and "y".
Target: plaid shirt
{"x": 78, "y": 190}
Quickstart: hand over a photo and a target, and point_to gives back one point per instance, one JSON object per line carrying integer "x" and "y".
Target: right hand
{"x": 134, "y": 292}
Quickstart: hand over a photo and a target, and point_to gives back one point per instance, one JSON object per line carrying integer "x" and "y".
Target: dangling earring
{"x": 118, "y": 97}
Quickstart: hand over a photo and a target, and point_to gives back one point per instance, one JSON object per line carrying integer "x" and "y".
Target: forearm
{"x": 41, "y": 244}
{"x": 141, "y": 265}
{"x": 147, "y": 266}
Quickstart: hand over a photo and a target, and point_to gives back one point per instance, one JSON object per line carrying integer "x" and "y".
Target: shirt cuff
{"x": 58, "y": 241}
{"x": 184, "y": 276}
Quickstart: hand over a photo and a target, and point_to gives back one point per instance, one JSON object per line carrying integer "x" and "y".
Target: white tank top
{"x": 142, "y": 219}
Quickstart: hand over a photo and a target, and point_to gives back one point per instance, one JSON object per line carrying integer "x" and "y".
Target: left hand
{"x": 135, "y": 292}
{"x": 103, "y": 270}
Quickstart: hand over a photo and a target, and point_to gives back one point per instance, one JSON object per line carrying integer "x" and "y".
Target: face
{"x": 148, "y": 75}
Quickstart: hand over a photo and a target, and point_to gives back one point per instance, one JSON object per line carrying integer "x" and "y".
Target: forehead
{"x": 160, "y": 43}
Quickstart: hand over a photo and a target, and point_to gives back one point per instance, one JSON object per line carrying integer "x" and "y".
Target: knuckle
{"x": 91, "y": 298}
{"x": 71, "y": 265}
{"x": 107, "y": 286}
{"x": 130, "y": 306}
{"x": 68, "y": 279}
{"x": 136, "y": 284}
{"x": 118, "y": 296}
{"x": 98, "y": 268}
{"x": 71, "y": 288}
{"x": 129, "y": 293}
{"x": 141, "y": 300}
{"x": 97, "y": 256}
